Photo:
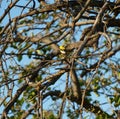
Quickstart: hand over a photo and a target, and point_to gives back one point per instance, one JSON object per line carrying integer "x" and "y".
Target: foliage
{"x": 40, "y": 81}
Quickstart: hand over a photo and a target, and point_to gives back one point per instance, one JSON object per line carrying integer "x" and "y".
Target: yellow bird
{"x": 62, "y": 49}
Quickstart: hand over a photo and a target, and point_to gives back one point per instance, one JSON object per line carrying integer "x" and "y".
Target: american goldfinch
{"x": 62, "y": 49}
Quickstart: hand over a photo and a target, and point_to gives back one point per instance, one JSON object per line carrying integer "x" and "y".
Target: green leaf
{"x": 19, "y": 58}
